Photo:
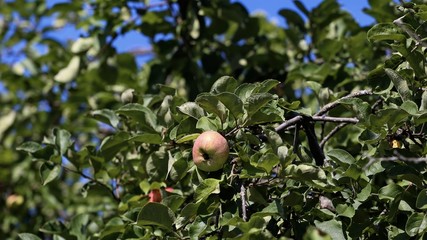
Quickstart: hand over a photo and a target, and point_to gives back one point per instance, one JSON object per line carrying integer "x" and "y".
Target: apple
{"x": 155, "y": 195}
{"x": 14, "y": 200}
{"x": 210, "y": 151}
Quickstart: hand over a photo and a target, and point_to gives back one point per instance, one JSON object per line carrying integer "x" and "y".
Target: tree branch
{"x": 335, "y": 119}
{"x": 397, "y": 156}
{"x": 141, "y": 51}
{"x": 243, "y": 199}
{"x": 318, "y": 116}
{"x": 335, "y": 103}
{"x": 288, "y": 123}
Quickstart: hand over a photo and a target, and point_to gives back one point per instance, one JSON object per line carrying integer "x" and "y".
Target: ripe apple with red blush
{"x": 210, "y": 151}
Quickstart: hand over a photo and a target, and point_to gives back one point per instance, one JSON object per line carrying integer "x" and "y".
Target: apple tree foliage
{"x": 324, "y": 119}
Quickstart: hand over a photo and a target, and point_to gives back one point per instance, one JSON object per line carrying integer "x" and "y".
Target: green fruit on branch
{"x": 210, "y": 151}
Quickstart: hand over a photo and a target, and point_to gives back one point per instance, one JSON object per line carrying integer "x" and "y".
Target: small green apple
{"x": 210, "y": 151}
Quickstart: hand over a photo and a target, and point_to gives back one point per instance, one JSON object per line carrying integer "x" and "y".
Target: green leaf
{"x": 206, "y": 123}
{"x": 266, "y": 161}
{"x": 174, "y": 202}
{"x": 28, "y": 236}
{"x": 224, "y": 84}
{"x": 273, "y": 209}
{"x": 211, "y": 104}
{"x": 245, "y": 90}
{"x": 369, "y": 136}
{"x": 390, "y": 192}
{"x": 62, "y": 140}
{"x": 256, "y": 196}
{"x": 206, "y": 188}
{"x": 49, "y": 172}
{"x": 255, "y": 222}
{"x": 345, "y": 210}
{"x": 53, "y": 227}
{"x": 268, "y": 114}
{"x": 409, "y": 107}
{"x": 6, "y": 121}
{"x": 78, "y": 225}
{"x": 185, "y": 127}
{"x": 29, "y": 147}
{"x": 399, "y": 83}
{"x": 331, "y": 227}
{"x": 365, "y": 193}
{"x": 106, "y": 116}
{"x": 191, "y": 109}
{"x": 256, "y": 101}
{"x": 113, "y": 144}
{"x": 141, "y": 114}
{"x": 266, "y": 85}
{"x": 341, "y": 156}
{"x": 156, "y": 214}
{"x": 416, "y": 224}
{"x": 360, "y": 107}
{"x": 151, "y": 138}
{"x": 385, "y": 31}
{"x": 423, "y": 105}
{"x": 82, "y": 45}
{"x": 93, "y": 189}
{"x": 422, "y": 200}
{"x": 189, "y": 137}
{"x": 70, "y": 72}
{"x": 387, "y": 116}
{"x": 293, "y": 18}
{"x": 232, "y": 102}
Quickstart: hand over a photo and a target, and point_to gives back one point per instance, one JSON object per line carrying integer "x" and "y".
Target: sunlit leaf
{"x": 49, "y": 172}
{"x": 207, "y": 187}
{"x": 70, "y": 72}
{"x": 191, "y": 109}
{"x": 106, "y": 116}
{"x": 385, "y": 31}
{"x": 416, "y": 224}
{"x": 224, "y": 84}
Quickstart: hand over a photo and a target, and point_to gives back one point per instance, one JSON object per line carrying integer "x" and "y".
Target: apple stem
{"x": 205, "y": 156}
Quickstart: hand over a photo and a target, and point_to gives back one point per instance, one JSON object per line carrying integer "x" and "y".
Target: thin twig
{"x": 293, "y": 121}
{"x": 141, "y": 51}
{"x": 288, "y": 123}
{"x": 93, "y": 180}
{"x": 335, "y": 119}
{"x": 335, "y": 103}
{"x": 397, "y": 156}
{"x": 243, "y": 199}
{"x": 318, "y": 116}
{"x": 331, "y": 133}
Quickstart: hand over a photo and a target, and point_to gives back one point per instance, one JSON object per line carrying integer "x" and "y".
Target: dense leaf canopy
{"x": 324, "y": 119}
